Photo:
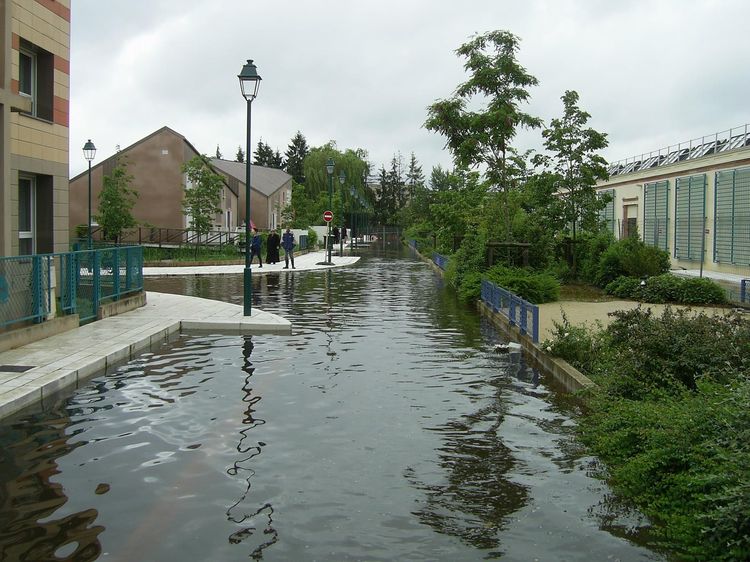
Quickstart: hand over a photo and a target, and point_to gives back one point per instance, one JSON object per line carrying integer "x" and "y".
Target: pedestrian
{"x": 287, "y": 243}
{"x": 335, "y": 234}
{"x": 272, "y": 247}
{"x": 343, "y": 234}
{"x": 255, "y": 247}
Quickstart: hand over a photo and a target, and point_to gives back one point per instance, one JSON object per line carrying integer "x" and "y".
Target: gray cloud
{"x": 362, "y": 73}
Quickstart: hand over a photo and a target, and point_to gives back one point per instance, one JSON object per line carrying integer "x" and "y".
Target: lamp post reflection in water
{"x": 249, "y": 451}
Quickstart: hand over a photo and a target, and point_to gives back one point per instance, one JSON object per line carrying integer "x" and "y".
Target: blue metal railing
{"x": 518, "y": 311}
{"x": 413, "y": 244}
{"x": 440, "y": 260}
{"x": 743, "y": 290}
{"x": 77, "y": 281}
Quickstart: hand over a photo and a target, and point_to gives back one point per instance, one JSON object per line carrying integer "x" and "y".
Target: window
{"x": 26, "y": 214}
{"x": 656, "y": 214}
{"x": 690, "y": 217}
{"x": 36, "y": 78}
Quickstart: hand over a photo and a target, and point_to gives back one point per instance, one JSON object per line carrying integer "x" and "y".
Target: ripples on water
{"x": 385, "y": 428}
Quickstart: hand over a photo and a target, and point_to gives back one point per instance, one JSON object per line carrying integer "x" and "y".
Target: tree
{"x": 295, "y": 157}
{"x": 481, "y": 137}
{"x": 276, "y": 161}
{"x": 576, "y": 165}
{"x": 240, "y": 155}
{"x": 202, "y": 195}
{"x": 116, "y": 201}
{"x": 414, "y": 176}
{"x": 218, "y": 152}
{"x": 263, "y": 154}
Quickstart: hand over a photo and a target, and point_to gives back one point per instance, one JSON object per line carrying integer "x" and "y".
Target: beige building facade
{"x": 691, "y": 199}
{"x": 34, "y": 94}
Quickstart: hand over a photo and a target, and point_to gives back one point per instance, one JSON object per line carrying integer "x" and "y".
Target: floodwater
{"x": 385, "y": 428}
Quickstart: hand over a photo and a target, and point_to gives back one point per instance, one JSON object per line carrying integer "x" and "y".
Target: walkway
{"x": 34, "y": 372}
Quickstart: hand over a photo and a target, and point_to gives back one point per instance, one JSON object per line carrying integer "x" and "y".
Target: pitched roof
{"x": 266, "y": 180}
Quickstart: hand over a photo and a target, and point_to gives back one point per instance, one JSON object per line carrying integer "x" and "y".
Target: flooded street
{"x": 385, "y": 428}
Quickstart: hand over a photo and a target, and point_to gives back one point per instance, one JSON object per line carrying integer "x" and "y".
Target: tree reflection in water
{"x": 477, "y": 499}
{"x": 263, "y": 516}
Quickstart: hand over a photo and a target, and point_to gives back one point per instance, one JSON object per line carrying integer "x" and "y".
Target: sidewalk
{"x": 32, "y": 373}
{"x": 303, "y": 262}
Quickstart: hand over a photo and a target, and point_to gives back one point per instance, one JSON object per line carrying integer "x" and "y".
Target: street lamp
{"x": 353, "y": 193}
{"x": 342, "y": 179}
{"x": 249, "y": 84}
{"x": 329, "y": 240}
{"x": 89, "y": 151}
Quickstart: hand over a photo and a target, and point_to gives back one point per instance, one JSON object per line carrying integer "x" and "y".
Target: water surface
{"x": 385, "y": 428}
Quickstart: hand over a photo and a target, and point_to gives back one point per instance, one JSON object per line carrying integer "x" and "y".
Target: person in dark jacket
{"x": 255, "y": 247}
{"x": 272, "y": 247}
{"x": 287, "y": 243}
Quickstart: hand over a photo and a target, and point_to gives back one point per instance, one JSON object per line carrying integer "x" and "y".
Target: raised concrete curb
{"x": 29, "y": 334}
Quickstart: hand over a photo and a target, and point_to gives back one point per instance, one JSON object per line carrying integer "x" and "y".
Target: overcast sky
{"x": 362, "y": 73}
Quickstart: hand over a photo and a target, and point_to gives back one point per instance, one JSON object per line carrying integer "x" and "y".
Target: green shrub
{"x": 588, "y": 250}
{"x": 632, "y": 258}
{"x": 312, "y": 239}
{"x": 623, "y": 287}
{"x": 534, "y": 287}
{"x": 662, "y": 288}
{"x": 701, "y": 291}
{"x": 575, "y": 344}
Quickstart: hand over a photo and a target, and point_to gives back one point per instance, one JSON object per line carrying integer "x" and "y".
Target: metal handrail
{"x": 723, "y": 141}
{"x": 518, "y": 311}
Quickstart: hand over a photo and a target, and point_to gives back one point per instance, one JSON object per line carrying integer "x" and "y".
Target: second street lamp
{"x": 329, "y": 239}
{"x": 249, "y": 84}
{"x": 342, "y": 179}
{"x": 89, "y": 151}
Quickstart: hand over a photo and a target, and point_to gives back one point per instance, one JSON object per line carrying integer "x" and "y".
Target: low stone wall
{"x": 35, "y": 332}
{"x": 123, "y": 305}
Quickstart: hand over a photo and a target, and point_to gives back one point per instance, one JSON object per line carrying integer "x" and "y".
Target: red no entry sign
{"x": 328, "y": 216}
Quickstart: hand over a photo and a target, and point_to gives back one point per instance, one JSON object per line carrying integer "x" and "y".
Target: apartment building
{"x": 34, "y": 94}
{"x": 691, "y": 199}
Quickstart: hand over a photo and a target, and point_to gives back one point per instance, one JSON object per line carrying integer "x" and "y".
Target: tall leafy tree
{"x": 116, "y": 201}
{"x": 482, "y": 136}
{"x": 575, "y": 161}
{"x": 277, "y": 160}
{"x": 295, "y": 154}
{"x": 202, "y": 198}
{"x": 240, "y": 155}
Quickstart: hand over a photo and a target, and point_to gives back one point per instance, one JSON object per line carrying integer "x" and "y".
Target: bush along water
{"x": 667, "y": 288}
{"x": 670, "y": 420}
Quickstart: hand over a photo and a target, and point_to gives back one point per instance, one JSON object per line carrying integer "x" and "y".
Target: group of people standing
{"x": 273, "y": 242}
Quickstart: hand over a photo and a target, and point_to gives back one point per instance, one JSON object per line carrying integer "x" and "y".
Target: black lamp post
{"x": 342, "y": 179}
{"x": 329, "y": 240}
{"x": 89, "y": 151}
{"x": 353, "y": 193}
{"x": 249, "y": 84}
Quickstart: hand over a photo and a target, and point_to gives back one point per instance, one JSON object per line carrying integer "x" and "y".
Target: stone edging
{"x": 563, "y": 372}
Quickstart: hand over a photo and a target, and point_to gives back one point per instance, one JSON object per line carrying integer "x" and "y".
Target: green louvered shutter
{"x": 656, "y": 214}
{"x": 607, "y": 214}
{"x": 690, "y": 213}
{"x": 732, "y": 216}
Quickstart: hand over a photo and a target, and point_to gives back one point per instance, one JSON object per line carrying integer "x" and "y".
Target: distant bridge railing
{"x": 440, "y": 260}
{"x": 35, "y": 288}
{"x": 518, "y": 311}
